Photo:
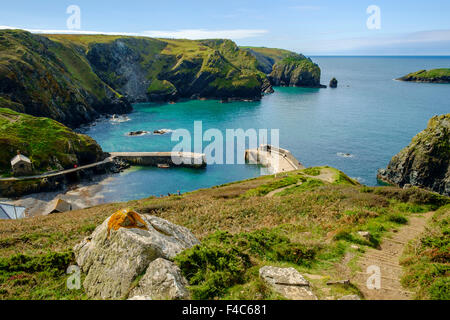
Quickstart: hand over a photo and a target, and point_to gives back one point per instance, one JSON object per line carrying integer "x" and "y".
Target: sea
{"x": 356, "y": 128}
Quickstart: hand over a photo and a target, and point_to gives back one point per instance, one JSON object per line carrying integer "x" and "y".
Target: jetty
{"x": 162, "y": 159}
{"x": 11, "y": 187}
{"x": 276, "y": 159}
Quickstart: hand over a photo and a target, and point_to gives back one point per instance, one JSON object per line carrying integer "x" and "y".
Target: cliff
{"x": 41, "y": 77}
{"x": 430, "y": 76}
{"x": 426, "y": 161}
{"x": 75, "y": 78}
{"x": 286, "y": 68}
{"x": 295, "y": 71}
{"x": 49, "y": 144}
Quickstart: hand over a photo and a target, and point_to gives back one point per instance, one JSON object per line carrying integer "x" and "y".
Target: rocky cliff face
{"x": 426, "y": 161}
{"x": 73, "y": 78}
{"x": 295, "y": 72}
{"x": 45, "y": 78}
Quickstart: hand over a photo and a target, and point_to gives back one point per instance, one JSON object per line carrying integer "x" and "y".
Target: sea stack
{"x": 333, "y": 83}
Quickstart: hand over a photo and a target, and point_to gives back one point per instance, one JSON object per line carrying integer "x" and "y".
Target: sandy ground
{"x": 81, "y": 195}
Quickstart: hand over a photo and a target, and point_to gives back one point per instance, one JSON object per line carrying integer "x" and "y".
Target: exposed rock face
{"x": 425, "y": 162}
{"x": 295, "y": 72}
{"x": 333, "y": 83}
{"x": 288, "y": 282}
{"x": 123, "y": 247}
{"x": 45, "y": 78}
{"x": 162, "y": 281}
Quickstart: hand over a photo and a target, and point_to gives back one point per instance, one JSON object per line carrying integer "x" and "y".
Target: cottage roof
{"x": 19, "y": 158}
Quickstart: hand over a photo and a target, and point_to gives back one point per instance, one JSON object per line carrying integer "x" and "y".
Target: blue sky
{"x": 313, "y": 27}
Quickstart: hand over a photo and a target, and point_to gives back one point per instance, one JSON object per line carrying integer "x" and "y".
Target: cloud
{"x": 422, "y": 42}
{"x": 193, "y": 34}
{"x": 196, "y": 34}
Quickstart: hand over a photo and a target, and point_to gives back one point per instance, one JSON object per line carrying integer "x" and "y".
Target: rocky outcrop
{"x": 430, "y": 76}
{"x": 124, "y": 247}
{"x": 333, "y": 83}
{"x": 162, "y": 281}
{"x": 288, "y": 282}
{"x": 425, "y": 162}
{"x": 295, "y": 72}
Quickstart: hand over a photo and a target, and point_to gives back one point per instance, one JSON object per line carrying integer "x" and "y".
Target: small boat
{"x": 163, "y": 166}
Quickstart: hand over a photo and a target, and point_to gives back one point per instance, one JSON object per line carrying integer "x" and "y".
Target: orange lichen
{"x": 126, "y": 218}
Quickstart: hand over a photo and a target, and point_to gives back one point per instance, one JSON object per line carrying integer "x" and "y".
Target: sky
{"x": 311, "y": 27}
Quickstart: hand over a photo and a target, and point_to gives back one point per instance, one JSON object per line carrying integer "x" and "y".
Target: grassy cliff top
{"x": 434, "y": 75}
{"x": 305, "y": 219}
{"x": 46, "y": 142}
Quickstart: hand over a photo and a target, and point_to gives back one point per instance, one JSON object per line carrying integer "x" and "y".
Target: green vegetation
{"x": 309, "y": 226}
{"x": 47, "y": 143}
{"x": 434, "y": 75}
{"x": 427, "y": 260}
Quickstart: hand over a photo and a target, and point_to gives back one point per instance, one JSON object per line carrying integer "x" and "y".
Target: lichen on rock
{"x": 122, "y": 248}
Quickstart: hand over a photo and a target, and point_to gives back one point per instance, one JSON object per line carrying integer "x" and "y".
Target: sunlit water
{"x": 356, "y": 128}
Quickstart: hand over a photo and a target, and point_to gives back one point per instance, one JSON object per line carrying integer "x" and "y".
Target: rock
{"x": 355, "y": 247}
{"x": 137, "y": 133}
{"x": 333, "y": 83}
{"x": 364, "y": 234}
{"x": 123, "y": 247}
{"x": 140, "y": 298}
{"x": 350, "y": 297}
{"x": 295, "y": 71}
{"x": 425, "y": 163}
{"x": 288, "y": 282}
{"x": 162, "y": 281}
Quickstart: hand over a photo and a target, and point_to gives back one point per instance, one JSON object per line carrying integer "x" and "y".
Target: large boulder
{"x": 288, "y": 282}
{"x": 123, "y": 247}
{"x": 425, "y": 162}
{"x": 162, "y": 281}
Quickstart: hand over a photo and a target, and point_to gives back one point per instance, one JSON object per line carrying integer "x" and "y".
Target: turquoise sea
{"x": 370, "y": 116}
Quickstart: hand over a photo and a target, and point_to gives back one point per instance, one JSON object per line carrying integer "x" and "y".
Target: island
{"x": 430, "y": 76}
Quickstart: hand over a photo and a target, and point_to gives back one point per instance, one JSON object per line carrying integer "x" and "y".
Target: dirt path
{"x": 387, "y": 259}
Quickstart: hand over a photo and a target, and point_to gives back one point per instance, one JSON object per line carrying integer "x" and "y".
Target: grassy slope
{"x": 427, "y": 260}
{"x": 165, "y": 59}
{"x": 308, "y": 228}
{"x": 428, "y": 75}
{"x": 42, "y": 139}
{"x": 31, "y": 63}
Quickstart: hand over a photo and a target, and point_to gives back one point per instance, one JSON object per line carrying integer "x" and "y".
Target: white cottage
{"x": 21, "y": 165}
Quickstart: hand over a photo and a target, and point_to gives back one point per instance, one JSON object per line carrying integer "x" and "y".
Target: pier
{"x": 175, "y": 159}
{"x": 276, "y": 159}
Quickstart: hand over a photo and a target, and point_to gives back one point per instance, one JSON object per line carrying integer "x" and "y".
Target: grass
{"x": 442, "y": 74}
{"x": 44, "y": 141}
{"x": 240, "y": 230}
{"x": 427, "y": 260}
